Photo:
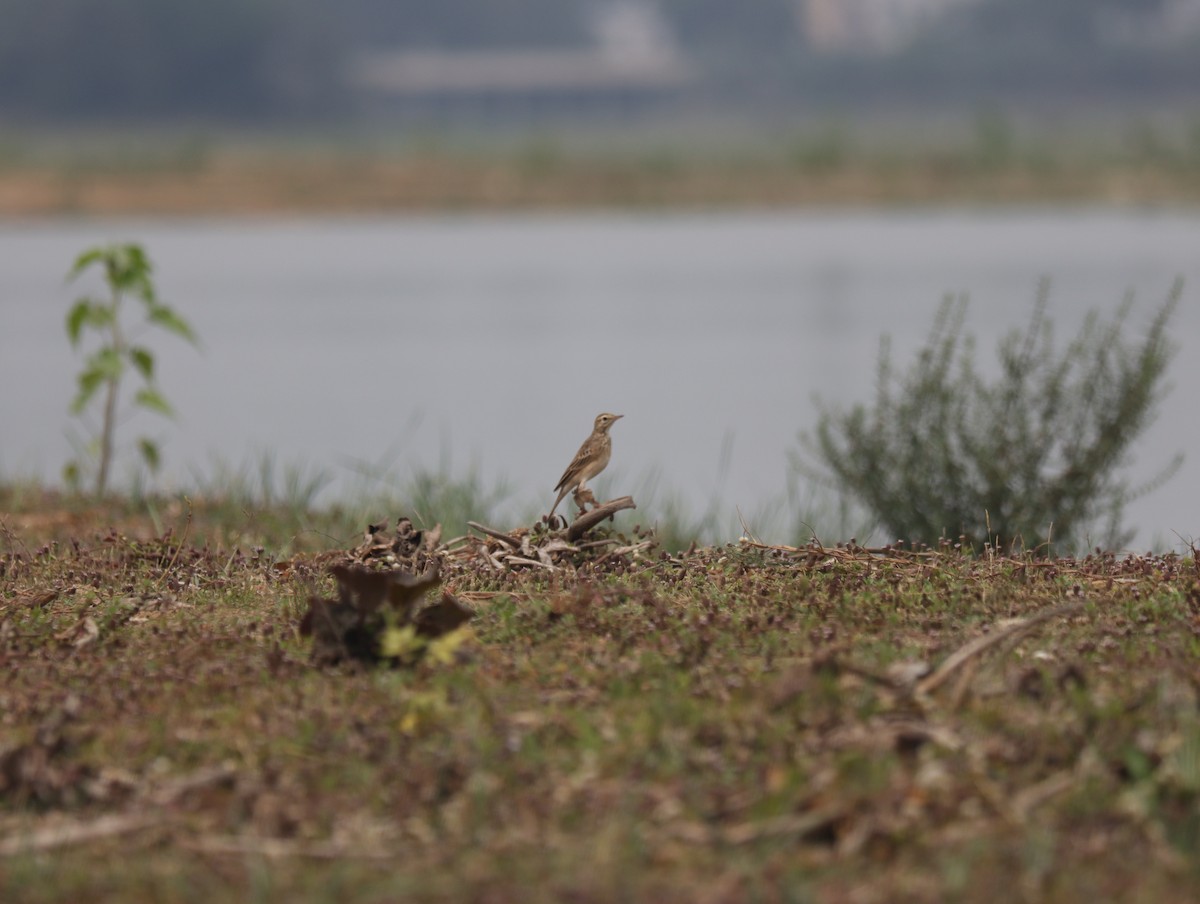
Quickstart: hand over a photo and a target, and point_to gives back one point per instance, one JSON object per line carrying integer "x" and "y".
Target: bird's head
{"x": 606, "y": 420}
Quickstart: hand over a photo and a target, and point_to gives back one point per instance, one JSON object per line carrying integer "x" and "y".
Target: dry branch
{"x": 278, "y": 848}
{"x": 50, "y": 838}
{"x": 795, "y": 825}
{"x": 586, "y": 522}
{"x": 496, "y": 534}
{"x": 536, "y": 563}
{"x": 545, "y": 547}
{"x": 1025, "y": 801}
{"x": 59, "y": 834}
{"x": 972, "y": 649}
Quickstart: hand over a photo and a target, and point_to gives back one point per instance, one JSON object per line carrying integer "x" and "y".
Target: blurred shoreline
{"x": 221, "y": 183}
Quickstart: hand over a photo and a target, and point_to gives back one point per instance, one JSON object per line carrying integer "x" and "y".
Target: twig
{"x": 521, "y": 560}
{"x": 499, "y": 535}
{"x": 586, "y": 522}
{"x": 812, "y": 530}
{"x": 169, "y": 793}
{"x": 53, "y": 837}
{"x": 1025, "y": 801}
{"x": 593, "y": 544}
{"x": 746, "y": 531}
{"x": 11, "y": 536}
{"x": 790, "y": 825}
{"x": 972, "y": 649}
{"x": 482, "y": 596}
{"x": 187, "y": 527}
{"x": 856, "y": 553}
{"x": 283, "y": 847}
{"x": 634, "y": 550}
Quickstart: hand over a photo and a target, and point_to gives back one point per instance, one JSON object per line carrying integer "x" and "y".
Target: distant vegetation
{"x": 1066, "y": 50}
{"x": 224, "y": 59}
{"x": 233, "y": 60}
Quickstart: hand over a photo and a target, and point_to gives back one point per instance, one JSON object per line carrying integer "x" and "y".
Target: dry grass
{"x": 734, "y": 724}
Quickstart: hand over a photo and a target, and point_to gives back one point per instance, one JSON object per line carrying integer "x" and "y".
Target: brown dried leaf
{"x": 442, "y": 617}
{"x": 36, "y": 600}
{"x": 369, "y": 603}
{"x": 367, "y": 590}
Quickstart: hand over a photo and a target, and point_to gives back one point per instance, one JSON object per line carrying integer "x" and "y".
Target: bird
{"x": 589, "y": 461}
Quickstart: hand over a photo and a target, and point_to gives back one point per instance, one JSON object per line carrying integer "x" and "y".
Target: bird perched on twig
{"x": 589, "y": 461}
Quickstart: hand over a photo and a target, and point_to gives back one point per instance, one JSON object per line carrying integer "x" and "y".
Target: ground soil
{"x": 740, "y": 723}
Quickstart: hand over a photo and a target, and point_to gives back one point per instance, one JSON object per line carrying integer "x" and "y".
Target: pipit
{"x": 589, "y": 461}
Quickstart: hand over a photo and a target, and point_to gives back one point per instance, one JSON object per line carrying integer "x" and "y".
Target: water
{"x": 392, "y": 342}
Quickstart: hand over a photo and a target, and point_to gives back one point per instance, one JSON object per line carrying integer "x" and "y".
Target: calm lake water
{"x": 392, "y": 343}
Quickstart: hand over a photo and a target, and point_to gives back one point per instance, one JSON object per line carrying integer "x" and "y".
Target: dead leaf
{"x": 371, "y": 603}
{"x": 367, "y": 590}
{"x": 36, "y": 600}
{"x": 442, "y": 617}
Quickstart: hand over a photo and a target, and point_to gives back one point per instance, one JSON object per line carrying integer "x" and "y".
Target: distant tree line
{"x": 172, "y": 58}
{"x": 234, "y": 59}
{"x": 1061, "y": 49}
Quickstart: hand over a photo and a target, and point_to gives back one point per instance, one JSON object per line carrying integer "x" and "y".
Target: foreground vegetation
{"x": 729, "y": 724}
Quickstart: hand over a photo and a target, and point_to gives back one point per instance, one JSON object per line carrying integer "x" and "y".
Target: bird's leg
{"x": 583, "y": 496}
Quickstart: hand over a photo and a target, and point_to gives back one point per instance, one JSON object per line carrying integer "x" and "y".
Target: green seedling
{"x": 127, "y": 273}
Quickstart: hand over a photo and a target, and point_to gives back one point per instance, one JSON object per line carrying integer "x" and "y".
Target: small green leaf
{"x": 143, "y": 360}
{"x": 76, "y": 318}
{"x": 128, "y": 268}
{"x": 444, "y": 650}
{"x": 107, "y": 362}
{"x": 402, "y": 643}
{"x": 85, "y": 260}
{"x": 71, "y": 476}
{"x": 101, "y": 315}
{"x": 89, "y": 381}
{"x": 149, "y": 450}
{"x": 150, "y": 398}
{"x": 84, "y": 313}
{"x": 145, "y": 291}
{"x": 166, "y": 318}
{"x": 136, "y": 260}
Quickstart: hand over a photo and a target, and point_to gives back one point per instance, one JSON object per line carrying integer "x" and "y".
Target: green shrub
{"x": 1030, "y": 455}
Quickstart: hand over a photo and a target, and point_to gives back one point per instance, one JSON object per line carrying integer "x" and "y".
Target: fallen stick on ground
{"x": 972, "y": 649}
{"x": 50, "y": 838}
{"x": 275, "y": 848}
{"x": 66, "y": 834}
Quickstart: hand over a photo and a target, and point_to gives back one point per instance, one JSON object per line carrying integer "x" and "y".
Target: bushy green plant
{"x": 127, "y": 272}
{"x": 1027, "y": 456}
